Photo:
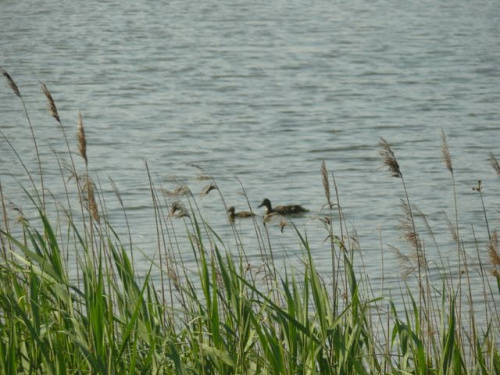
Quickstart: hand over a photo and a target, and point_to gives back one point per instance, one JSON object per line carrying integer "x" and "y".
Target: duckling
{"x": 242, "y": 214}
{"x": 282, "y": 210}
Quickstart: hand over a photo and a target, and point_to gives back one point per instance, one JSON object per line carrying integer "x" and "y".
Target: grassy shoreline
{"x": 226, "y": 316}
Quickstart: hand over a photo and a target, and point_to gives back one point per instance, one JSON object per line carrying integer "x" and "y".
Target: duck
{"x": 242, "y": 214}
{"x": 293, "y": 209}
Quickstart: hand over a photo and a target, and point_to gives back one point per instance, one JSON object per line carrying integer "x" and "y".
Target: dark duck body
{"x": 293, "y": 209}
{"x": 242, "y": 214}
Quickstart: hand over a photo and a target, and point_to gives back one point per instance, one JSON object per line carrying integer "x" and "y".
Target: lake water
{"x": 264, "y": 92}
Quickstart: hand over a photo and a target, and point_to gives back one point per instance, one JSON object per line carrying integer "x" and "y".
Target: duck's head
{"x": 267, "y": 204}
{"x": 230, "y": 210}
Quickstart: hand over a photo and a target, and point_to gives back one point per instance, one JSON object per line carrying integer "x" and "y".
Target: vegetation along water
{"x": 72, "y": 299}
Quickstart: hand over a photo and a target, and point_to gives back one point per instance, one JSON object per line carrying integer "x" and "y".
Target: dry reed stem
{"x": 196, "y": 241}
{"x": 174, "y": 276}
{"x": 452, "y": 229}
{"x": 389, "y": 159}
{"x": 16, "y": 91}
{"x": 82, "y": 141}
{"x": 12, "y": 84}
{"x": 495, "y": 164}
{"x": 326, "y": 184}
{"x": 50, "y": 102}
{"x": 116, "y": 191}
{"x": 202, "y": 174}
{"x": 446, "y": 152}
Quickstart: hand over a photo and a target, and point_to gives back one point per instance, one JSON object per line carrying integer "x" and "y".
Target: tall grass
{"x": 224, "y": 315}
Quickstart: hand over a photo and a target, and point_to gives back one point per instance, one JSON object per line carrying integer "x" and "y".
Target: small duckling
{"x": 282, "y": 210}
{"x": 242, "y": 214}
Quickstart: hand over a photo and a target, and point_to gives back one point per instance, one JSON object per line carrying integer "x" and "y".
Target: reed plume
{"x": 326, "y": 184}
{"x": 178, "y": 210}
{"x": 12, "y": 84}
{"x": 405, "y": 263}
{"x": 82, "y": 141}
{"x": 408, "y": 227}
{"x": 493, "y": 250}
{"x": 495, "y": 164}
{"x": 203, "y": 177}
{"x": 177, "y": 192}
{"x": 445, "y": 150}
{"x": 207, "y": 189}
{"x": 87, "y": 188}
{"x": 50, "y": 102}
{"x": 389, "y": 159}
{"x": 93, "y": 207}
{"x": 494, "y": 256}
{"x": 452, "y": 228}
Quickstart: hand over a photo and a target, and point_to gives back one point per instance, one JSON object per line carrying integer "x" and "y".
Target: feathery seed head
{"x": 478, "y": 187}
{"x": 493, "y": 250}
{"x": 82, "y": 141}
{"x": 87, "y": 188}
{"x": 178, "y": 210}
{"x": 207, "y": 189}
{"x": 11, "y": 82}
{"x": 446, "y": 152}
{"x": 389, "y": 159}
{"x": 50, "y": 102}
{"x": 177, "y": 192}
{"x": 326, "y": 184}
{"x": 495, "y": 164}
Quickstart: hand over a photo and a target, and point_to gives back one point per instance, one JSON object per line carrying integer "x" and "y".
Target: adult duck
{"x": 241, "y": 214}
{"x": 293, "y": 209}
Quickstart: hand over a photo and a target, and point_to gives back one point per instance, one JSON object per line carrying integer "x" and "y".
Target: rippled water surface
{"x": 264, "y": 92}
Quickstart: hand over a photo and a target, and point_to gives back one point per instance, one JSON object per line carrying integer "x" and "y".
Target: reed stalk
{"x": 15, "y": 89}
{"x": 456, "y": 230}
{"x": 407, "y": 220}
